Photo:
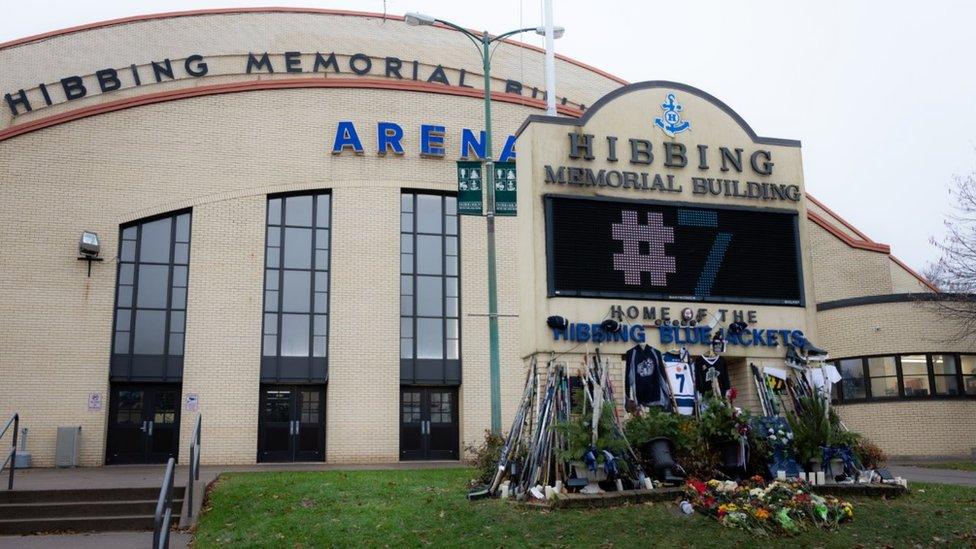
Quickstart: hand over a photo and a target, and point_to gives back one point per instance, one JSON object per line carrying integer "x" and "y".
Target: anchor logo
{"x": 672, "y": 122}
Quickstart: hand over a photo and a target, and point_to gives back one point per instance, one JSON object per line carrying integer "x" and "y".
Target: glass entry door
{"x": 292, "y": 423}
{"x": 428, "y": 423}
{"x": 144, "y": 423}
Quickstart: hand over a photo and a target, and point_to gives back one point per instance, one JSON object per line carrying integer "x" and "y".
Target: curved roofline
{"x": 257, "y": 85}
{"x": 650, "y": 84}
{"x": 232, "y": 11}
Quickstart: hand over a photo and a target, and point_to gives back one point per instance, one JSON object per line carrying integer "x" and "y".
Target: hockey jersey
{"x": 644, "y": 375}
{"x": 702, "y": 365}
{"x": 682, "y": 380}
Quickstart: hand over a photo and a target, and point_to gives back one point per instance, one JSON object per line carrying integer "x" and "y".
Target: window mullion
{"x": 135, "y": 295}
{"x": 900, "y": 377}
{"x": 416, "y": 252}
{"x": 280, "y": 287}
{"x": 444, "y": 285}
{"x": 866, "y": 372}
{"x": 930, "y": 369}
{"x": 959, "y": 377}
{"x": 169, "y": 291}
{"x": 311, "y": 289}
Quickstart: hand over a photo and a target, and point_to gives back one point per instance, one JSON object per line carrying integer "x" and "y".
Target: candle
{"x": 780, "y": 475}
{"x": 821, "y": 477}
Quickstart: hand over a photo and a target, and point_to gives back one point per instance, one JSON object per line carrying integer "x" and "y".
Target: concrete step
{"x": 82, "y": 509}
{"x": 76, "y": 524}
{"x": 85, "y": 495}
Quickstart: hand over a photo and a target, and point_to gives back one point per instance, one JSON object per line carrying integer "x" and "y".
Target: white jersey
{"x": 681, "y": 376}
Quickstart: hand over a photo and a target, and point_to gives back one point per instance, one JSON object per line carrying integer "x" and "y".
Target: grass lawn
{"x": 957, "y": 465}
{"x": 428, "y": 508}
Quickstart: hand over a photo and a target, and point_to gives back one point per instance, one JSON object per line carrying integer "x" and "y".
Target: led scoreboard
{"x": 671, "y": 251}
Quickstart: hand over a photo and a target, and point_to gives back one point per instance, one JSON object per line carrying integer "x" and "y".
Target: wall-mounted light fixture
{"x": 89, "y": 247}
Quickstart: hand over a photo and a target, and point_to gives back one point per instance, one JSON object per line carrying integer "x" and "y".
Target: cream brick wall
{"x": 223, "y": 328}
{"x": 222, "y": 155}
{"x": 911, "y": 327}
{"x": 915, "y": 429}
{"x": 904, "y": 282}
{"x": 840, "y": 271}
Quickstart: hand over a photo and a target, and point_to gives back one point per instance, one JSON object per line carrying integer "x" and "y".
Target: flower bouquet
{"x": 779, "y": 508}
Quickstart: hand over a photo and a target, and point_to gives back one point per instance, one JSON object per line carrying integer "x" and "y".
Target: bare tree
{"x": 955, "y": 271}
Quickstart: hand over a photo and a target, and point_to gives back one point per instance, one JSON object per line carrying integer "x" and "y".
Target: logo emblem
{"x": 672, "y": 123}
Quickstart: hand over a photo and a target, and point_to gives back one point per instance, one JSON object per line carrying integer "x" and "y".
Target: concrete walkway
{"x": 138, "y": 476}
{"x": 100, "y": 540}
{"x": 940, "y": 476}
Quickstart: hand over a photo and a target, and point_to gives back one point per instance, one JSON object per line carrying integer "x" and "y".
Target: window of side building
{"x": 968, "y": 374}
{"x": 429, "y": 289}
{"x": 296, "y": 288}
{"x": 911, "y": 376}
{"x": 150, "y": 299}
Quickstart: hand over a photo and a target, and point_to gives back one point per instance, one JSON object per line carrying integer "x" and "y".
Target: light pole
{"x": 483, "y": 43}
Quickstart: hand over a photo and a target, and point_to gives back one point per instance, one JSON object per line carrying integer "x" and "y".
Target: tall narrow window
{"x": 150, "y": 300}
{"x": 296, "y": 288}
{"x": 884, "y": 376}
{"x": 915, "y": 375}
{"x": 852, "y": 378}
{"x": 429, "y": 288}
{"x": 945, "y": 372}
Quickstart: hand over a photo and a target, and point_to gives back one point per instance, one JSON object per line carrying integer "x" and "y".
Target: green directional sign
{"x": 469, "y": 199}
{"x": 506, "y": 189}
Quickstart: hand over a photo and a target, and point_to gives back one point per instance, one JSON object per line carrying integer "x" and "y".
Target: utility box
{"x": 66, "y": 451}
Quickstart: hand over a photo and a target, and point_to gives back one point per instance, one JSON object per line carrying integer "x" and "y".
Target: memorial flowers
{"x": 779, "y": 508}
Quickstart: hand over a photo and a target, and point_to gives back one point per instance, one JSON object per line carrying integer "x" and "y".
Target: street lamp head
{"x": 415, "y": 19}
{"x": 557, "y": 32}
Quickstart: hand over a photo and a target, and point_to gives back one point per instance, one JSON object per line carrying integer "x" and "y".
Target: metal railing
{"x": 12, "y": 456}
{"x": 194, "y": 467}
{"x": 164, "y": 508}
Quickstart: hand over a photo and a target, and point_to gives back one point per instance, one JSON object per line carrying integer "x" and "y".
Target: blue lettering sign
{"x": 346, "y": 136}
{"x": 508, "y": 151}
{"x": 431, "y": 140}
{"x": 388, "y": 137}
{"x": 469, "y": 143}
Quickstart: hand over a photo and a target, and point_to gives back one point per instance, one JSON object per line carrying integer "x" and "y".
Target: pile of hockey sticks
{"x": 597, "y": 389}
{"x": 531, "y": 463}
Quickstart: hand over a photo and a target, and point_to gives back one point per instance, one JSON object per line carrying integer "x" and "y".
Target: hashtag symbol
{"x": 656, "y": 262}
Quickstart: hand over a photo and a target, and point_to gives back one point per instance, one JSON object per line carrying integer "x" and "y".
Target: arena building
{"x": 281, "y": 251}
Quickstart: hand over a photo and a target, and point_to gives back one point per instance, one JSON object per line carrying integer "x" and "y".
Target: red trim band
{"x": 291, "y": 83}
{"x": 846, "y": 238}
{"x": 842, "y": 221}
{"x": 912, "y": 272}
{"x": 868, "y": 244}
{"x": 232, "y": 11}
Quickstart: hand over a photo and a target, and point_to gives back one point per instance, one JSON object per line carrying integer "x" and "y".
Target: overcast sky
{"x": 882, "y": 94}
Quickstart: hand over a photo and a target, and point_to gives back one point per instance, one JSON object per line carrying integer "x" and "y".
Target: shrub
{"x": 651, "y": 424}
{"x": 486, "y": 456}
{"x": 722, "y": 422}
{"x": 870, "y": 454}
{"x": 579, "y": 435}
{"x": 693, "y": 452}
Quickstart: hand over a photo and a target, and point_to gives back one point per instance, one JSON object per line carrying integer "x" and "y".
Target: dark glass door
{"x": 144, "y": 423}
{"x": 428, "y": 423}
{"x": 292, "y": 423}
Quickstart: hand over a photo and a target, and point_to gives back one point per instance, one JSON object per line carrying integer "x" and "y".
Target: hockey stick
{"x": 667, "y": 383}
{"x": 513, "y": 434}
{"x": 760, "y": 390}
